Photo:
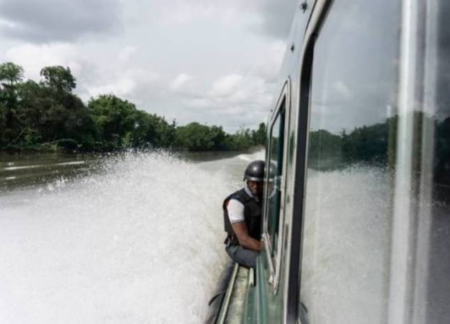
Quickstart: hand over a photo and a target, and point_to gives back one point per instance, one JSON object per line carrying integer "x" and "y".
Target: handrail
{"x": 226, "y": 304}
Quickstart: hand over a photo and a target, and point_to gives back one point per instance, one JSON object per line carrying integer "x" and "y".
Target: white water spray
{"x": 346, "y": 246}
{"x": 141, "y": 243}
{"x": 252, "y": 157}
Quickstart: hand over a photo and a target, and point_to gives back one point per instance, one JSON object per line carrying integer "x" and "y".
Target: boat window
{"x": 275, "y": 171}
{"x": 431, "y": 171}
{"x": 351, "y": 164}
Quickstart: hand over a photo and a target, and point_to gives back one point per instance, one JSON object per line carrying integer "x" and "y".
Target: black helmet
{"x": 255, "y": 171}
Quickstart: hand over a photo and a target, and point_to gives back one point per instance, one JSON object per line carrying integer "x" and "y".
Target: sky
{"x": 210, "y": 61}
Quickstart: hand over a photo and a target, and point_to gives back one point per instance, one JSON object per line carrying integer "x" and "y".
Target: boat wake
{"x": 141, "y": 242}
{"x": 253, "y": 156}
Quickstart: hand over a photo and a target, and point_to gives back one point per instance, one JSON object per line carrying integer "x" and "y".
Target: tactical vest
{"x": 252, "y": 215}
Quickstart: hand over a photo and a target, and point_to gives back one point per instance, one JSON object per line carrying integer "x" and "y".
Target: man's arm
{"x": 246, "y": 240}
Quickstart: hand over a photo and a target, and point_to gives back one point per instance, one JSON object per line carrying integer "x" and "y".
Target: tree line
{"x": 47, "y": 115}
{"x": 377, "y": 145}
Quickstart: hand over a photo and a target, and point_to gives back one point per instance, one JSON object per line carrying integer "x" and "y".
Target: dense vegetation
{"x": 377, "y": 145}
{"x": 48, "y": 115}
{"x": 374, "y": 144}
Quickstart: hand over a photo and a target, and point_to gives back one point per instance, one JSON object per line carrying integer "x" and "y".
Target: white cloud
{"x": 277, "y": 17}
{"x": 200, "y": 103}
{"x": 183, "y": 83}
{"x": 193, "y": 60}
{"x": 227, "y": 85}
{"x": 120, "y": 87}
{"x": 269, "y": 63}
{"x": 343, "y": 90}
{"x": 127, "y": 53}
{"x": 35, "y": 57}
{"x": 128, "y": 84}
{"x": 186, "y": 11}
{"x": 269, "y": 17}
{"x": 58, "y": 20}
{"x": 7, "y": 24}
{"x": 232, "y": 101}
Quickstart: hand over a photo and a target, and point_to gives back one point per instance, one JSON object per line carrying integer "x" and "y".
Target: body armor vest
{"x": 252, "y": 216}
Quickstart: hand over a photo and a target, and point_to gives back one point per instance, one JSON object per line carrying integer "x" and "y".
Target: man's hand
{"x": 246, "y": 240}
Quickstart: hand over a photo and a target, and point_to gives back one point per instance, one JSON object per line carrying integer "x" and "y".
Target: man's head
{"x": 254, "y": 175}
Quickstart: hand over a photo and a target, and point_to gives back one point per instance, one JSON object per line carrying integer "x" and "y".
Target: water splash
{"x": 141, "y": 242}
{"x": 259, "y": 155}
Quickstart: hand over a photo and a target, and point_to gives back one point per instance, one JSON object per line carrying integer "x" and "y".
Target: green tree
{"x": 151, "y": 131}
{"x": 2, "y": 123}
{"x": 165, "y": 133}
{"x": 241, "y": 140}
{"x": 367, "y": 144}
{"x": 115, "y": 120}
{"x": 10, "y": 76}
{"x": 325, "y": 149}
{"x": 194, "y": 137}
{"x": 260, "y": 135}
{"x": 52, "y": 116}
{"x": 198, "y": 137}
{"x": 58, "y": 78}
{"x": 219, "y": 137}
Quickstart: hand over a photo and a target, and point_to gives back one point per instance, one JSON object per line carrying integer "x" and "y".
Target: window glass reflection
{"x": 351, "y": 159}
{"x": 274, "y": 174}
{"x": 435, "y": 210}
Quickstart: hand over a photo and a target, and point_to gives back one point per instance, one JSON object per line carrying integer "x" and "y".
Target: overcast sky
{"x": 210, "y": 61}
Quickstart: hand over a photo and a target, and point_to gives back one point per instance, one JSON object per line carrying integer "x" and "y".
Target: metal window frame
{"x": 283, "y": 103}
{"x": 294, "y": 252}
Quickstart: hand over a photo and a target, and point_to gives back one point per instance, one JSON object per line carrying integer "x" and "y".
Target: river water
{"x": 134, "y": 238}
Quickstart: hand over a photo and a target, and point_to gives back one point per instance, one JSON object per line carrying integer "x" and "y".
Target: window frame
{"x": 274, "y": 262}
{"x": 292, "y": 313}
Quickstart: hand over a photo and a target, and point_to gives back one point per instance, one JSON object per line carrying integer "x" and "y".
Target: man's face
{"x": 256, "y": 188}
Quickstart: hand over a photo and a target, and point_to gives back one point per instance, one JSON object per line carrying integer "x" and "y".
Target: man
{"x": 242, "y": 217}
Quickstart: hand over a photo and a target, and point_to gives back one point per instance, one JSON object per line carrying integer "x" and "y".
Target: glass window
{"x": 275, "y": 171}
{"x": 351, "y": 158}
{"x": 431, "y": 184}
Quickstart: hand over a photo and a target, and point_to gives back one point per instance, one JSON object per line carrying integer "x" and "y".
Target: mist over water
{"x": 139, "y": 242}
